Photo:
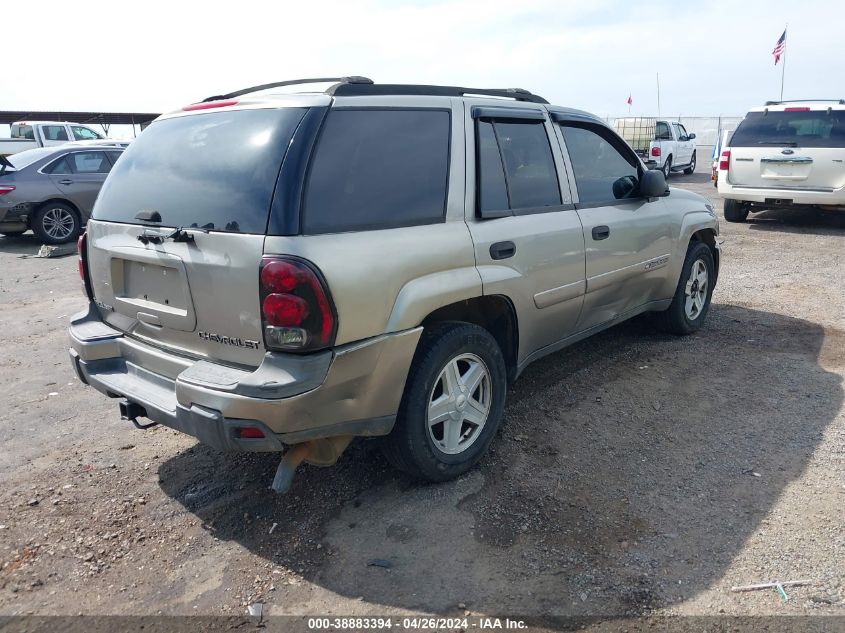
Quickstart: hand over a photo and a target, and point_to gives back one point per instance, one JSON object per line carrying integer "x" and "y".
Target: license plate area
{"x": 157, "y": 286}
{"x": 153, "y": 289}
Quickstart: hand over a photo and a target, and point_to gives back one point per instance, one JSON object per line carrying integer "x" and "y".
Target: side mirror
{"x": 652, "y": 184}
{"x": 691, "y": 136}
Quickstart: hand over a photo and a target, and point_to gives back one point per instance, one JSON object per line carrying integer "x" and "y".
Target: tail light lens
{"x": 4, "y": 189}
{"x": 296, "y": 308}
{"x": 655, "y": 151}
{"x": 725, "y": 160}
{"x": 82, "y": 265}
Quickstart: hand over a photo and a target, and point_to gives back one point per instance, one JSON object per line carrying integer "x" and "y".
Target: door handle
{"x": 66, "y": 182}
{"x": 601, "y": 232}
{"x": 502, "y": 250}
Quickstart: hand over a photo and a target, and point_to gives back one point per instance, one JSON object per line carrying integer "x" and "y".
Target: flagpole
{"x": 783, "y": 68}
{"x": 658, "y": 95}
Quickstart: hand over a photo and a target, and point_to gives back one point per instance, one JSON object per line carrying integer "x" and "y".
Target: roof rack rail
{"x": 363, "y": 86}
{"x": 373, "y": 89}
{"x": 353, "y": 79}
{"x": 839, "y": 101}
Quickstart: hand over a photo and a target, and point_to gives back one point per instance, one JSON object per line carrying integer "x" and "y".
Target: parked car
{"x": 31, "y": 134}
{"x": 665, "y": 145}
{"x": 51, "y": 190}
{"x": 724, "y": 140}
{"x": 390, "y": 258}
{"x": 785, "y": 155}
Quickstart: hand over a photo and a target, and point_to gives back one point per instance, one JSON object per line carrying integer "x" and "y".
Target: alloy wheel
{"x": 459, "y": 404}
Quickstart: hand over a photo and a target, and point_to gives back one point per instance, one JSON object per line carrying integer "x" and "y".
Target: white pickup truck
{"x": 664, "y": 145}
{"x": 31, "y": 134}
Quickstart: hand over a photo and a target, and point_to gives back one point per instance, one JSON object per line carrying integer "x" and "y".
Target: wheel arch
{"x": 708, "y": 236}
{"x": 494, "y": 313}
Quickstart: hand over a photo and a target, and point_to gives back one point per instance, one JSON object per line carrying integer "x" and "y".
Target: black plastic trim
{"x": 494, "y": 112}
{"x": 286, "y": 206}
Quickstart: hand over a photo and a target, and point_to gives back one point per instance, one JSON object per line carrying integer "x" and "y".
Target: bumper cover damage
{"x": 344, "y": 392}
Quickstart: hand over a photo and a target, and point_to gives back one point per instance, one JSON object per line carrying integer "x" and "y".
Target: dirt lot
{"x": 634, "y": 472}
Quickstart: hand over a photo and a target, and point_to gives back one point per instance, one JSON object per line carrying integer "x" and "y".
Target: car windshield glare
{"x": 215, "y": 171}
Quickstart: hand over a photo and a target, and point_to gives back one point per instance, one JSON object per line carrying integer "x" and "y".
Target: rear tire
{"x": 56, "y": 223}
{"x": 452, "y": 405}
{"x": 735, "y": 211}
{"x": 667, "y": 166}
{"x": 691, "y": 167}
{"x": 691, "y": 302}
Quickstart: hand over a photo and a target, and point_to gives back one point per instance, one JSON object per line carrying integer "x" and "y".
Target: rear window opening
{"x": 801, "y": 128}
{"x": 214, "y": 171}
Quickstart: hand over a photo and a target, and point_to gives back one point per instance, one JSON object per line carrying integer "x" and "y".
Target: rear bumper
{"x": 354, "y": 389}
{"x": 782, "y": 196}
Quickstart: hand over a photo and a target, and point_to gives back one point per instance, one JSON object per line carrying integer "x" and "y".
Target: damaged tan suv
{"x": 274, "y": 271}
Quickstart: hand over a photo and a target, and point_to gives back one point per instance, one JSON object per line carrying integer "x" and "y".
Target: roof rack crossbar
{"x": 372, "y": 89}
{"x": 354, "y": 79}
{"x": 839, "y": 101}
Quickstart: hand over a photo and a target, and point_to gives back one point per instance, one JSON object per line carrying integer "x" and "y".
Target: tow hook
{"x": 131, "y": 411}
{"x": 322, "y": 452}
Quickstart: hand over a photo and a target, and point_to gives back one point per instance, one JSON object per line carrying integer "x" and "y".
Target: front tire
{"x": 56, "y": 223}
{"x": 691, "y": 167}
{"x": 691, "y": 302}
{"x": 735, "y": 211}
{"x": 452, "y": 405}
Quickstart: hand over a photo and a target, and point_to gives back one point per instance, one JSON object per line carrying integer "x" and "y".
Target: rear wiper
{"x": 784, "y": 143}
{"x": 179, "y": 235}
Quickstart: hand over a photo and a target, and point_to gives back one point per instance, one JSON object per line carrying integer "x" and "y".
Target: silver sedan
{"x": 52, "y": 190}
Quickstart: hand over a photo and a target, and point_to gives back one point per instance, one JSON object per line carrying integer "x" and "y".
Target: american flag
{"x": 779, "y": 47}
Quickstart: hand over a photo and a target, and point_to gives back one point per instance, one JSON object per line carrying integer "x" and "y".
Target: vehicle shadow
{"x": 622, "y": 479}
{"x": 696, "y": 178}
{"x": 26, "y": 244}
{"x": 807, "y": 221}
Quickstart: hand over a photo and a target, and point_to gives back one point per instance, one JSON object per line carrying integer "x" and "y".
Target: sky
{"x": 713, "y": 56}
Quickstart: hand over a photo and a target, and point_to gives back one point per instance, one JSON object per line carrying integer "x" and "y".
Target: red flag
{"x": 630, "y": 101}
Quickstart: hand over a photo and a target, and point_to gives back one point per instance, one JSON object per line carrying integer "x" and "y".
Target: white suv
{"x": 785, "y": 154}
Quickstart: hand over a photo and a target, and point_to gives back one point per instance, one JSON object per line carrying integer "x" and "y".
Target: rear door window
{"x": 801, "y": 128}
{"x": 378, "y": 169}
{"x": 215, "y": 170}
{"x": 90, "y": 162}
{"x": 54, "y": 132}
{"x": 59, "y": 167}
{"x": 516, "y": 170}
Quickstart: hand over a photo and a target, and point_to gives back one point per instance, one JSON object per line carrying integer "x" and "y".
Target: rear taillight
{"x": 296, "y": 309}
{"x": 82, "y": 265}
{"x": 4, "y": 189}
{"x": 796, "y": 109}
{"x": 655, "y": 151}
{"x": 725, "y": 160}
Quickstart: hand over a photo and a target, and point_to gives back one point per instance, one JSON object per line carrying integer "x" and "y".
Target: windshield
{"x": 215, "y": 171}
{"x": 800, "y": 128}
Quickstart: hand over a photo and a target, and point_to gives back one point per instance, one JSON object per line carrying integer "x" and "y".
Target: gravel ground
{"x": 634, "y": 473}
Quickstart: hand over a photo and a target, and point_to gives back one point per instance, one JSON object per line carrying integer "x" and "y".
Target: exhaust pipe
{"x": 322, "y": 452}
{"x": 131, "y": 411}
